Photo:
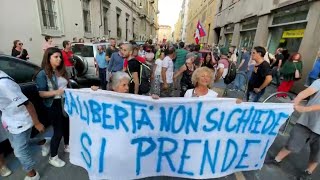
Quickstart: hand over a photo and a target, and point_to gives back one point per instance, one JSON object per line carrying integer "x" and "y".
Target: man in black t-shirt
{"x": 276, "y": 65}
{"x": 133, "y": 68}
{"x": 111, "y": 49}
{"x": 261, "y": 75}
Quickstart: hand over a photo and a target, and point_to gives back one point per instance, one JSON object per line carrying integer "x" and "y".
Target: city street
{"x": 190, "y": 88}
{"x": 289, "y": 169}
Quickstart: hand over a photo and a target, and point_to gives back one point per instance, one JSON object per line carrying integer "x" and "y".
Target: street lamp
{"x": 140, "y": 6}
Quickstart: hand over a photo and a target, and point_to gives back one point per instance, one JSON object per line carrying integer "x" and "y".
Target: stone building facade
{"x": 65, "y": 19}
{"x": 291, "y": 24}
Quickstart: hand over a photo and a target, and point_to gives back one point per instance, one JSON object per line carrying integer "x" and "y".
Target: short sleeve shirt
{"x": 159, "y": 67}
{"x": 168, "y": 63}
{"x": 133, "y": 66}
{"x": 16, "y": 53}
{"x": 311, "y": 119}
{"x": 110, "y": 51}
{"x": 66, "y": 58}
{"x": 210, "y": 94}
{"x": 15, "y": 116}
{"x": 259, "y": 75}
{"x": 278, "y": 58}
{"x": 101, "y": 60}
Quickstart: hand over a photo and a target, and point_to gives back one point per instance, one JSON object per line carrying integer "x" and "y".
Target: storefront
{"x": 228, "y": 33}
{"x": 248, "y": 32}
{"x": 287, "y": 29}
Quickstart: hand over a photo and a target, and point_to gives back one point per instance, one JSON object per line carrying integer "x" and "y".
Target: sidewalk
{"x": 289, "y": 169}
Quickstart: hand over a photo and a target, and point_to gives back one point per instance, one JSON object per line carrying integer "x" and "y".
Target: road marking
{"x": 240, "y": 176}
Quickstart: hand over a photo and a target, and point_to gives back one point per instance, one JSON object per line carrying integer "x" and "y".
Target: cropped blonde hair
{"x": 196, "y": 74}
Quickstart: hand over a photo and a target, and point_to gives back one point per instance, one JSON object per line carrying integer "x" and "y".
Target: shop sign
{"x": 297, "y": 33}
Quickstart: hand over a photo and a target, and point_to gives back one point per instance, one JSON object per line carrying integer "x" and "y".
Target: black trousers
{"x": 60, "y": 126}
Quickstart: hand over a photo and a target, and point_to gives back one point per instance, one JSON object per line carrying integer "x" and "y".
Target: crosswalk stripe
{"x": 239, "y": 176}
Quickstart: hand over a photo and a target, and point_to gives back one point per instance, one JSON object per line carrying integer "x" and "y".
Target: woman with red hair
{"x": 291, "y": 72}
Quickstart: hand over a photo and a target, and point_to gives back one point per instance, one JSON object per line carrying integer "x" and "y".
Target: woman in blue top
{"x": 51, "y": 82}
{"x": 315, "y": 72}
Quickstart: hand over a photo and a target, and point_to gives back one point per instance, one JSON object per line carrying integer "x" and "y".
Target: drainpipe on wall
{"x": 101, "y": 16}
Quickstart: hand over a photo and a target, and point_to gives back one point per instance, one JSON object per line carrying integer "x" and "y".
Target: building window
{"x": 86, "y": 16}
{"x": 291, "y": 14}
{"x": 105, "y": 20}
{"x": 49, "y": 11}
{"x": 118, "y": 26}
{"x": 49, "y": 14}
{"x": 229, "y": 28}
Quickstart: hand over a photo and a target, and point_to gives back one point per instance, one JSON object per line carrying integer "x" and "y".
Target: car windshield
{"x": 83, "y": 50}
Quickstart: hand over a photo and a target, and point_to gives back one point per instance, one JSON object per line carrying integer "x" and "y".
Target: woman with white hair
{"x": 202, "y": 79}
{"x": 120, "y": 82}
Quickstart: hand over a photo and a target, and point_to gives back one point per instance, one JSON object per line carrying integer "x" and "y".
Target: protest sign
{"x": 125, "y": 136}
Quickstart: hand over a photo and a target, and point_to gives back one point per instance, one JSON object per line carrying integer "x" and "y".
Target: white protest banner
{"x": 124, "y": 136}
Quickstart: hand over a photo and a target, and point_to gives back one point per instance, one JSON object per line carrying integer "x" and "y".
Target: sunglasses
{"x": 20, "y": 44}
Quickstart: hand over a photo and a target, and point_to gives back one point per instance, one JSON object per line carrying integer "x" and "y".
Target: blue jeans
{"x": 249, "y": 73}
{"x": 103, "y": 78}
{"x": 276, "y": 75}
{"x": 239, "y": 82}
{"x": 253, "y": 96}
{"x": 20, "y": 144}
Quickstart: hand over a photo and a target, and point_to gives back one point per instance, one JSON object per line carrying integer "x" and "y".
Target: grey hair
{"x": 129, "y": 46}
{"x": 190, "y": 54}
{"x": 117, "y": 77}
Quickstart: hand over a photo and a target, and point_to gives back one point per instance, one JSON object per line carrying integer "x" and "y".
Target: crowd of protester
{"x": 159, "y": 70}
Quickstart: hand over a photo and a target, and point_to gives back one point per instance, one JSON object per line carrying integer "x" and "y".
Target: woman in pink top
{"x": 48, "y": 43}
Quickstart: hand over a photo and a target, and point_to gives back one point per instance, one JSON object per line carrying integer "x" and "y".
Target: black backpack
{"x": 232, "y": 72}
{"x": 144, "y": 79}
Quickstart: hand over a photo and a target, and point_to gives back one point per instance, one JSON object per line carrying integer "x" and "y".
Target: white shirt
{"x": 210, "y": 94}
{"x": 267, "y": 55}
{"x": 225, "y": 70}
{"x": 62, "y": 82}
{"x": 167, "y": 63}
{"x": 234, "y": 58}
{"x": 141, "y": 53}
{"x": 159, "y": 67}
{"x": 15, "y": 116}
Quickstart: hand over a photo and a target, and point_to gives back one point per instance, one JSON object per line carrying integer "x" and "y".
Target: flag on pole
{"x": 201, "y": 30}
{"x": 197, "y": 36}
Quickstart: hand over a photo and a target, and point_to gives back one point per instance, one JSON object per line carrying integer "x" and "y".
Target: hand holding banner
{"x": 125, "y": 136}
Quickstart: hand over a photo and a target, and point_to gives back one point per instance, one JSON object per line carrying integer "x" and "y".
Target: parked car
{"x": 24, "y": 72}
{"x": 84, "y": 54}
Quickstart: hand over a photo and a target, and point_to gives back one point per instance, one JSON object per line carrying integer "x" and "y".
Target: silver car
{"x": 84, "y": 54}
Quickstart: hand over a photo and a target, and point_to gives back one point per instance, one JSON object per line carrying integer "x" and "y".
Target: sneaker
{"x": 56, "y": 161}
{"x": 5, "y": 171}
{"x": 67, "y": 149}
{"x": 45, "y": 148}
{"x": 36, "y": 177}
{"x": 305, "y": 176}
{"x": 271, "y": 160}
